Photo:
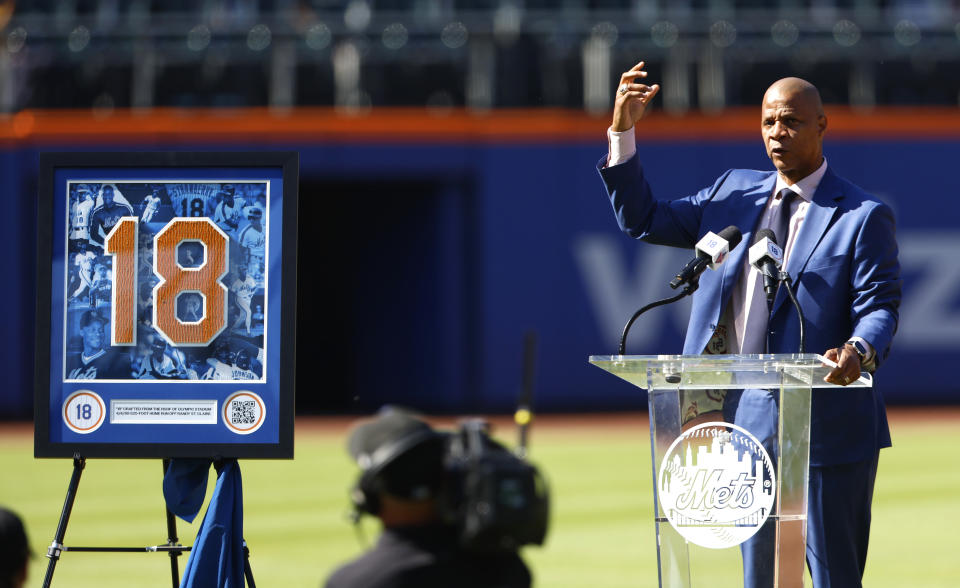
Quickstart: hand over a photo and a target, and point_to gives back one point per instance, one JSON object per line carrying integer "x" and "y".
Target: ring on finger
{"x": 623, "y": 89}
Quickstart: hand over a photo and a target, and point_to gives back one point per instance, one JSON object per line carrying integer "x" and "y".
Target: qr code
{"x": 243, "y": 412}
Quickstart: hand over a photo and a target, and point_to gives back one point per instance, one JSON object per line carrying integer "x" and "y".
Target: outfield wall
{"x": 430, "y": 243}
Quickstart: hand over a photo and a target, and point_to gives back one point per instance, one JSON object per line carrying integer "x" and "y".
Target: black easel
{"x": 171, "y": 547}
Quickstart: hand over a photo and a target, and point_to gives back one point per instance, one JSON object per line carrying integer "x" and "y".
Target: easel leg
{"x": 172, "y": 539}
{"x": 247, "y": 570}
{"x": 53, "y": 552}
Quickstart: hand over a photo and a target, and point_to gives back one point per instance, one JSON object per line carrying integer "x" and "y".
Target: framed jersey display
{"x": 166, "y": 305}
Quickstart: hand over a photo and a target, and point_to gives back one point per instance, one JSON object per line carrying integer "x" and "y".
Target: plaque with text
{"x": 166, "y": 305}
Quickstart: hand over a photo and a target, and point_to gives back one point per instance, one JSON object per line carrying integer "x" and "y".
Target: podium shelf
{"x": 724, "y": 372}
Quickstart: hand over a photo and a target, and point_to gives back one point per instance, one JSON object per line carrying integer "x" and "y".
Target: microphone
{"x": 711, "y": 250}
{"x": 767, "y": 256}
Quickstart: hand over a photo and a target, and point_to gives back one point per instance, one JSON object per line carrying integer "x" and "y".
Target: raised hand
{"x": 632, "y": 98}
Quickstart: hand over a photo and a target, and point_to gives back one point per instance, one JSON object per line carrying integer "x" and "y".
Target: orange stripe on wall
{"x": 325, "y": 125}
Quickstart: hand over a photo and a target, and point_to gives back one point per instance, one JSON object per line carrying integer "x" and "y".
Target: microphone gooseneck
{"x": 689, "y": 289}
{"x": 785, "y": 280}
{"x": 711, "y": 251}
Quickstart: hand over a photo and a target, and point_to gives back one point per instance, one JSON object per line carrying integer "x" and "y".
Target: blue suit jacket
{"x": 845, "y": 271}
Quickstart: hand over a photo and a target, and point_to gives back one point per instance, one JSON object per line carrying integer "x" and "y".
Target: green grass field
{"x": 601, "y": 531}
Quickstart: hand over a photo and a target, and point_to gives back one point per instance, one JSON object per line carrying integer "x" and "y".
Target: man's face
{"x": 107, "y": 194}
{"x": 223, "y": 353}
{"x": 93, "y": 335}
{"x": 792, "y": 130}
{"x": 157, "y": 346}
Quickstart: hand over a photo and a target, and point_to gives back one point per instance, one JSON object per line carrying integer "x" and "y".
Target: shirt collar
{"x": 805, "y": 187}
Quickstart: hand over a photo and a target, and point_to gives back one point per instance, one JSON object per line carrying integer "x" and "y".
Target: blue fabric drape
{"x": 216, "y": 559}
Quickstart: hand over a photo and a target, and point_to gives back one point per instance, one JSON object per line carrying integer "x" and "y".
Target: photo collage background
{"x": 237, "y": 354}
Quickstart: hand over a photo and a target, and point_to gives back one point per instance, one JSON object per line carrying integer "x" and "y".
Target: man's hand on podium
{"x": 848, "y": 365}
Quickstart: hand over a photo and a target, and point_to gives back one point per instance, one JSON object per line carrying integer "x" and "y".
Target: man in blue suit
{"x": 839, "y": 248}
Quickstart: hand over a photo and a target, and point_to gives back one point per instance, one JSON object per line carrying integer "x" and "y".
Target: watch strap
{"x": 860, "y": 348}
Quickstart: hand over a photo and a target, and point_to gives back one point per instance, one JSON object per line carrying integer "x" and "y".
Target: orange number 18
{"x": 175, "y": 280}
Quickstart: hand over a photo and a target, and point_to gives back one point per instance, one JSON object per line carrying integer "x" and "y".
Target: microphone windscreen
{"x": 732, "y": 235}
{"x": 765, "y": 234}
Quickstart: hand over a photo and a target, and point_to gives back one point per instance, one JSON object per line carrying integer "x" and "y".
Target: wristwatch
{"x": 859, "y": 347}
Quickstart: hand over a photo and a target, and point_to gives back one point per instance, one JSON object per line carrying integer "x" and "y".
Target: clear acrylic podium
{"x": 686, "y": 392}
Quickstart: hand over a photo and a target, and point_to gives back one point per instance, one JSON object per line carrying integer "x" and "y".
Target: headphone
{"x": 365, "y": 494}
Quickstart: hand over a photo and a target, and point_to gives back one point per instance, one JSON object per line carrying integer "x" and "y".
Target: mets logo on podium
{"x": 716, "y": 485}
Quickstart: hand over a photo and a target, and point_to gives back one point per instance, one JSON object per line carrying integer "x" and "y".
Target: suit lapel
{"x": 819, "y": 215}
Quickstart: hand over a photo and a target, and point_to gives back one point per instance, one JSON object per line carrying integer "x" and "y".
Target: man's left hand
{"x": 848, "y": 365}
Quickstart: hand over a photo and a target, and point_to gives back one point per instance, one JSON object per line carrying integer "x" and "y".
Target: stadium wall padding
{"x": 443, "y": 251}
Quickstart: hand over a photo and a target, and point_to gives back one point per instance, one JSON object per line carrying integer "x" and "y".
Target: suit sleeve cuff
{"x": 623, "y": 145}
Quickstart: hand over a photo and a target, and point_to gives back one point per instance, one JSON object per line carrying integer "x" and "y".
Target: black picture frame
{"x": 62, "y": 175}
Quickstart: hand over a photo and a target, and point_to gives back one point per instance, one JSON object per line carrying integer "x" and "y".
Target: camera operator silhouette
{"x": 403, "y": 482}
